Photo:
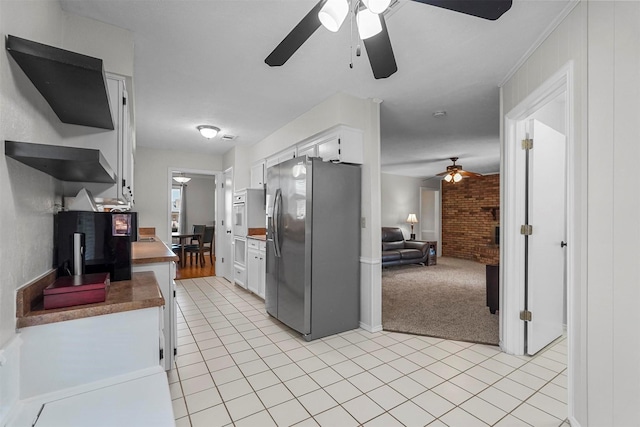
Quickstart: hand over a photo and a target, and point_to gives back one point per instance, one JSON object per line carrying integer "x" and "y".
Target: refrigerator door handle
{"x": 276, "y": 222}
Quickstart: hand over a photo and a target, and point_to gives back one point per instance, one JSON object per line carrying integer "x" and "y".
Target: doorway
{"x": 194, "y": 202}
{"x": 551, "y": 105}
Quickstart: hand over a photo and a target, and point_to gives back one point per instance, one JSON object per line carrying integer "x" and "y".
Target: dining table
{"x": 182, "y": 241}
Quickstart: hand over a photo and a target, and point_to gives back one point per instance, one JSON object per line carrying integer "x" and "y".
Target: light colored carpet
{"x": 447, "y": 300}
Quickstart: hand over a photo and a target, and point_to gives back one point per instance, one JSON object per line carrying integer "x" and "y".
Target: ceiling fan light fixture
{"x": 208, "y": 131}
{"x": 333, "y": 14}
{"x": 457, "y": 177}
{"x": 448, "y": 177}
{"x": 368, "y": 23}
{"x": 377, "y": 6}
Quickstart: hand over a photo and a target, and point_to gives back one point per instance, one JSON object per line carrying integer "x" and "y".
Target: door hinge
{"x": 124, "y": 100}
{"x": 174, "y": 294}
{"x": 161, "y": 353}
{"x": 525, "y": 315}
{"x": 527, "y": 144}
{"x": 222, "y": 222}
{"x": 175, "y": 351}
{"x": 222, "y": 184}
{"x": 526, "y": 230}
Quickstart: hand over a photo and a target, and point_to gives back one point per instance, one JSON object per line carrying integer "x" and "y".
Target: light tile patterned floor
{"x": 238, "y": 366}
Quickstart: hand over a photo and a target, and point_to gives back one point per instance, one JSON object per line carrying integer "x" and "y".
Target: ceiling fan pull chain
{"x": 351, "y": 43}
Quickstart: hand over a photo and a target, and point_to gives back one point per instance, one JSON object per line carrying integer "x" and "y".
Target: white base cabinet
{"x": 256, "y": 267}
{"x": 165, "y": 274}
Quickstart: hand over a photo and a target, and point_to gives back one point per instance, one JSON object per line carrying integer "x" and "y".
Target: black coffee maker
{"x": 94, "y": 242}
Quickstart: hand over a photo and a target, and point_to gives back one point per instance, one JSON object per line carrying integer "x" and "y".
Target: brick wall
{"x": 467, "y": 228}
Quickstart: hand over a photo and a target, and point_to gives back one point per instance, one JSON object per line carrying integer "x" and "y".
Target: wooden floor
{"x": 192, "y": 271}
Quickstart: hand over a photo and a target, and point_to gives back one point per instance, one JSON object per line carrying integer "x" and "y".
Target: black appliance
{"x": 102, "y": 241}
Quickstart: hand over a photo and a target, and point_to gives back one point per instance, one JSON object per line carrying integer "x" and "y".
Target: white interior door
{"x": 227, "y": 261}
{"x": 546, "y": 258}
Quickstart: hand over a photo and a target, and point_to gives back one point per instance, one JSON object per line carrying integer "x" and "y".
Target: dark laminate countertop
{"x": 140, "y": 292}
{"x": 151, "y": 251}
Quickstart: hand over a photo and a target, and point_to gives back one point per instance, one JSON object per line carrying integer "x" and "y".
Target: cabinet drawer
{"x": 253, "y": 244}
{"x": 262, "y": 246}
{"x": 239, "y": 275}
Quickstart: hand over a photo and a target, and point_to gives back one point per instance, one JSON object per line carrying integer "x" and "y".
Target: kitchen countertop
{"x": 149, "y": 250}
{"x": 262, "y": 237}
{"x": 140, "y": 292}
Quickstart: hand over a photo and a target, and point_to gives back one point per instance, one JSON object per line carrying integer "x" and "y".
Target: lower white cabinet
{"x": 256, "y": 267}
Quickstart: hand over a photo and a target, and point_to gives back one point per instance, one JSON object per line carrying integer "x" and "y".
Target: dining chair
{"x": 206, "y": 245}
{"x": 194, "y": 243}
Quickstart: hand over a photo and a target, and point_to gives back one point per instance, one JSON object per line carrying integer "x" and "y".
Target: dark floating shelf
{"x": 73, "y": 84}
{"x": 63, "y": 163}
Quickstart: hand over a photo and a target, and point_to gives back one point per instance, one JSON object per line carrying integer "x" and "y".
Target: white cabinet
{"x": 165, "y": 273}
{"x": 280, "y": 157}
{"x": 343, "y": 145}
{"x": 240, "y": 261}
{"x": 258, "y": 175}
{"x": 256, "y": 267}
{"x": 308, "y": 149}
{"x": 115, "y": 145}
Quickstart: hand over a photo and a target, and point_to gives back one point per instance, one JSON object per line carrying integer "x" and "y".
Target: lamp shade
{"x": 368, "y": 24}
{"x": 377, "y": 6}
{"x": 412, "y": 219}
{"x": 208, "y": 131}
{"x": 333, "y": 13}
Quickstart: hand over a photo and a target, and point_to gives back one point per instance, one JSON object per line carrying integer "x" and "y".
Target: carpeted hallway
{"x": 447, "y": 300}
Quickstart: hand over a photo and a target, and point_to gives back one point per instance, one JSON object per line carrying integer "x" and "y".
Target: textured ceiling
{"x": 202, "y": 62}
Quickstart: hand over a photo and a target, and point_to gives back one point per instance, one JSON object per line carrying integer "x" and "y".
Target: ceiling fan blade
{"x": 469, "y": 174}
{"x": 443, "y": 173}
{"x": 296, "y": 38}
{"x": 380, "y": 53}
{"x": 487, "y": 9}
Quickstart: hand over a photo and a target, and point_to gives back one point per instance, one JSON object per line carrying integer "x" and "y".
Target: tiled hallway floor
{"x": 238, "y": 366}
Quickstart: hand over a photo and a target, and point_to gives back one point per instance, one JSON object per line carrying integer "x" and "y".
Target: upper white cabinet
{"x": 280, "y": 157}
{"x": 115, "y": 145}
{"x": 308, "y": 149}
{"x": 258, "y": 175}
{"x": 341, "y": 145}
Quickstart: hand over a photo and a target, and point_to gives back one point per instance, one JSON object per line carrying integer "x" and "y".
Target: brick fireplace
{"x": 470, "y": 215}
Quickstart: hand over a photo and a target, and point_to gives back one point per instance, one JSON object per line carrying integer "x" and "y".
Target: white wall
{"x": 602, "y": 39}
{"x": 613, "y": 284}
{"x": 400, "y": 196}
{"x": 566, "y": 43}
{"x": 201, "y": 201}
{"x": 29, "y": 196}
{"x": 152, "y": 183}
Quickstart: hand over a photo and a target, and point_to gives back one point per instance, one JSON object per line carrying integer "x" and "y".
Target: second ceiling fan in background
{"x": 372, "y": 27}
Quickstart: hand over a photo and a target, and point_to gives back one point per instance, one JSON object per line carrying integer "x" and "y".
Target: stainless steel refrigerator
{"x": 313, "y": 246}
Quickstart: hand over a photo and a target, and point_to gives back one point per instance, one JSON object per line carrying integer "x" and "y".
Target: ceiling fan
{"x": 372, "y": 29}
{"x": 455, "y": 173}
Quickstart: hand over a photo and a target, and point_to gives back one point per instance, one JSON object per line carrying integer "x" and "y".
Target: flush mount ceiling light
{"x": 181, "y": 178}
{"x": 208, "y": 131}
